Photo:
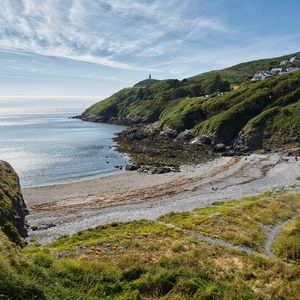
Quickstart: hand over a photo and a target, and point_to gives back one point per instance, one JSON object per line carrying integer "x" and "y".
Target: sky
{"x": 92, "y": 48}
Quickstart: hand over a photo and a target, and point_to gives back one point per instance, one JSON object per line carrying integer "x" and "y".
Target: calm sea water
{"x": 49, "y": 148}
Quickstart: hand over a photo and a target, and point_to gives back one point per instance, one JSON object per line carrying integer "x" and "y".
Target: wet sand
{"x": 130, "y": 196}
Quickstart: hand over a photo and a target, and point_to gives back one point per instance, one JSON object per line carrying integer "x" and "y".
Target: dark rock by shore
{"x": 159, "y": 151}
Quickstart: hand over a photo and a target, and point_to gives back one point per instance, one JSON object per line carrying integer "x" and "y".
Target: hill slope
{"x": 145, "y": 104}
{"x": 257, "y": 114}
{"x": 244, "y": 71}
{"x": 145, "y": 82}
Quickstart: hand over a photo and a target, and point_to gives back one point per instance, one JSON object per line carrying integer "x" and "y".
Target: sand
{"x": 131, "y": 196}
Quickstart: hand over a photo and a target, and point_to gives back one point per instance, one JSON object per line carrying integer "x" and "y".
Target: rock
{"x": 230, "y": 153}
{"x": 293, "y": 152}
{"x": 43, "y": 226}
{"x": 261, "y": 151}
{"x": 169, "y": 132}
{"x": 161, "y": 170}
{"x": 219, "y": 148}
{"x": 13, "y": 208}
{"x": 131, "y": 167}
{"x": 185, "y": 136}
{"x": 205, "y": 140}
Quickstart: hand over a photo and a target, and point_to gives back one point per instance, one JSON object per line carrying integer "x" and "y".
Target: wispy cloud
{"x": 115, "y": 33}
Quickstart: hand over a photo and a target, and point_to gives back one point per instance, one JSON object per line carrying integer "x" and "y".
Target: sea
{"x": 45, "y": 146}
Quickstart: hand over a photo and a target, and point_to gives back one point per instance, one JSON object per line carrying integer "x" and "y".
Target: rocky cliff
{"x": 12, "y": 206}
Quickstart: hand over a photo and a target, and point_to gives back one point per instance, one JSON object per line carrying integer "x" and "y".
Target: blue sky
{"x": 92, "y": 48}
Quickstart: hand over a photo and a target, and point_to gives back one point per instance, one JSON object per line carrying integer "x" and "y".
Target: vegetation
{"x": 287, "y": 245}
{"x": 243, "y": 72}
{"x": 256, "y": 115}
{"x": 145, "y": 104}
{"x": 241, "y": 223}
{"x": 12, "y": 206}
{"x": 258, "y": 110}
{"x": 151, "y": 260}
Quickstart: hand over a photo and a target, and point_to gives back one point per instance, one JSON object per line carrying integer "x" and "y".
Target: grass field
{"x": 161, "y": 260}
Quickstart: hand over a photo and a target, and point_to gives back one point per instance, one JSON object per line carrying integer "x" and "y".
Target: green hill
{"x": 244, "y": 71}
{"x": 145, "y": 104}
{"x": 146, "y": 82}
{"x": 258, "y": 113}
{"x": 255, "y": 114}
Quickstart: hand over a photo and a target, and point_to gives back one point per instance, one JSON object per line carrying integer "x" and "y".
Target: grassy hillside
{"x": 256, "y": 114}
{"x": 220, "y": 252}
{"x": 12, "y": 206}
{"x": 145, "y": 103}
{"x": 243, "y": 72}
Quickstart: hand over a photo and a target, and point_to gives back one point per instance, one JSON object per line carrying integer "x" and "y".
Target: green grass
{"x": 269, "y": 106}
{"x": 287, "y": 245}
{"x": 267, "y": 113}
{"x": 238, "y": 222}
{"x": 259, "y": 110}
{"x": 149, "y": 260}
{"x": 258, "y": 114}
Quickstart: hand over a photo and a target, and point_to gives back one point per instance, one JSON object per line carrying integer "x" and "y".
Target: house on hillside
{"x": 284, "y": 62}
{"x": 295, "y": 59}
{"x": 292, "y": 69}
{"x": 275, "y": 71}
{"x": 261, "y": 75}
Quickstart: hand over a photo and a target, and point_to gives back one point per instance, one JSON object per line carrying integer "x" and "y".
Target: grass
{"x": 267, "y": 112}
{"x": 238, "y": 222}
{"x": 149, "y": 260}
{"x": 287, "y": 245}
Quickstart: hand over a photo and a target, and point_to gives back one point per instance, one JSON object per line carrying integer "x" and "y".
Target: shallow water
{"x": 51, "y": 148}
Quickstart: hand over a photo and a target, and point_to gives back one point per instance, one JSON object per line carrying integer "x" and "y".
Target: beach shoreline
{"x": 67, "y": 208}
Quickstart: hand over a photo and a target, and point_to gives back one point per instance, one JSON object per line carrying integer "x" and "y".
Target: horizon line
{"x": 4, "y": 97}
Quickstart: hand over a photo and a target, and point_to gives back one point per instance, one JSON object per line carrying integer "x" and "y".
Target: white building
{"x": 275, "y": 71}
{"x": 295, "y": 59}
{"x": 284, "y": 62}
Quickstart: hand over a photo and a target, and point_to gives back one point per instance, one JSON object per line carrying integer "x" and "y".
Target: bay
{"x": 51, "y": 148}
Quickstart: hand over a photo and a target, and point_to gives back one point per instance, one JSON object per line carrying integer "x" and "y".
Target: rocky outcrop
{"x": 12, "y": 206}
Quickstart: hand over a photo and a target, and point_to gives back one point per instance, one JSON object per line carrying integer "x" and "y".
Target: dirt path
{"x": 272, "y": 233}
{"x": 213, "y": 241}
{"x": 69, "y": 208}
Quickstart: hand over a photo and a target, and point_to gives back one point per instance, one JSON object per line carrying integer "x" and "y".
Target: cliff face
{"x": 12, "y": 206}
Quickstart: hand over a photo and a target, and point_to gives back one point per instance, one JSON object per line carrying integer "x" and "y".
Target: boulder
{"x": 219, "y": 148}
{"x": 160, "y": 170}
{"x": 131, "y": 167}
{"x": 169, "y": 132}
{"x": 204, "y": 140}
{"x": 185, "y": 136}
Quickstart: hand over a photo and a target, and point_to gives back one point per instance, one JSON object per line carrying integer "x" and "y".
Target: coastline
{"x": 70, "y": 207}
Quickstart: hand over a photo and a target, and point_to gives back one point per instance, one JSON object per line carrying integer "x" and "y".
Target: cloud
{"x": 131, "y": 35}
